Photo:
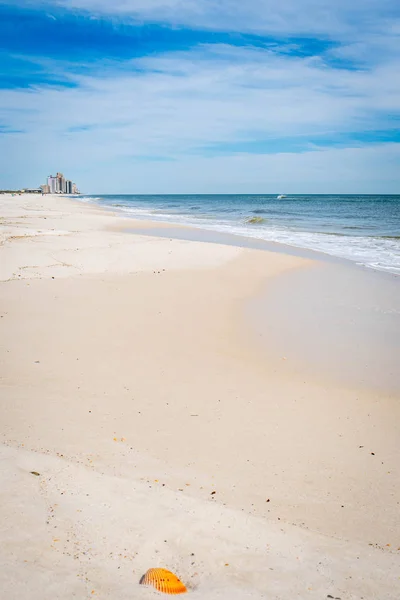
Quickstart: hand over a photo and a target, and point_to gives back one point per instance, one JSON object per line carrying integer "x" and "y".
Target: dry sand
{"x": 133, "y": 385}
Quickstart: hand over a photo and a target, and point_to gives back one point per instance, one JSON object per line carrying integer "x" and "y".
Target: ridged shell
{"x": 164, "y": 581}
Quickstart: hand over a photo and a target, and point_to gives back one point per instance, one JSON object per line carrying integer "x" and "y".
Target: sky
{"x": 201, "y": 96}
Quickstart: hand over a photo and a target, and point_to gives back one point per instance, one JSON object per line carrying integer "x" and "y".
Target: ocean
{"x": 364, "y": 229}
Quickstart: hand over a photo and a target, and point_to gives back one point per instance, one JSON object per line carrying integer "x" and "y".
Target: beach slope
{"x": 144, "y": 424}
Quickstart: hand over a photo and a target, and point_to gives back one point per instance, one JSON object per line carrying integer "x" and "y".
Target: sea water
{"x": 364, "y": 229}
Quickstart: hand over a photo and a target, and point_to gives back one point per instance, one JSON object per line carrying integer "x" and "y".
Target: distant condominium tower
{"x": 52, "y": 183}
{"x": 59, "y": 185}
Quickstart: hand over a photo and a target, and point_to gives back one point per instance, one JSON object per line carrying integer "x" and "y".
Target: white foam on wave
{"x": 86, "y": 199}
{"x": 373, "y": 252}
{"x": 152, "y": 215}
{"x": 377, "y": 253}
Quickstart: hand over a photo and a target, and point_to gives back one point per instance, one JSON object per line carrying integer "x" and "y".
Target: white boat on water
{"x": 281, "y": 196}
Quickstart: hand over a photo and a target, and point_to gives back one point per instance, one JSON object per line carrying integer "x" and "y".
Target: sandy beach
{"x": 175, "y": 403}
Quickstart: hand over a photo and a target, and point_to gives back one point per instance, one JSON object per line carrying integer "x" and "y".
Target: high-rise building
{"x": 60, "y": 185}
{"x": 52, "y": 183}
{"x": 45, "y": 188}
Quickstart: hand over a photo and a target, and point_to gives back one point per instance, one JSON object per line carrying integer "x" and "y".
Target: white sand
{"x": 130, "y": 385}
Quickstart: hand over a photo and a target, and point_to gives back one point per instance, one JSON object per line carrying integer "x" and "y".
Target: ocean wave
{"x": 86, "y": 199}
{"x": 374, "y": 251}
{"x": 353, "y": 227}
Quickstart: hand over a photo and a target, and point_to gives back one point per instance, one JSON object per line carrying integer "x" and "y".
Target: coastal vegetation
{"x": 255, "y": 220}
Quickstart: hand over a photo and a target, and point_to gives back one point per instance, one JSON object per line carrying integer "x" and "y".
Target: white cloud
{"x": 180, "y": 105}
{"x": 348, "y": 170}
{"x": 181, "y": 101}
{"x": 373, "y": 169}
{"x": 291, "y": 17}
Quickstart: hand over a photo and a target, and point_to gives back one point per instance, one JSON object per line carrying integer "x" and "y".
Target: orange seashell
{"x": 164, "y": 581}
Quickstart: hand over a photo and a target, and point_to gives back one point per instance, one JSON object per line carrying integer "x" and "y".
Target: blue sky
{"x": 201, "y": 96}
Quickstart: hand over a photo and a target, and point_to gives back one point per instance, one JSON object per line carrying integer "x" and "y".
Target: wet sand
{"x": 338, "y": 322}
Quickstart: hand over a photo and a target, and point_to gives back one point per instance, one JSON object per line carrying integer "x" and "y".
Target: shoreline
{"x": 191, "y": 233}
{"x": 196, "y": 232}
{"x": 135, "y": 385}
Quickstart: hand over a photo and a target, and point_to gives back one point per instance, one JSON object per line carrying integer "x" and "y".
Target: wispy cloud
{"x": 265, "y": 95}
{"x": 289, "y": 17}
{"x": 337, "y": 18}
